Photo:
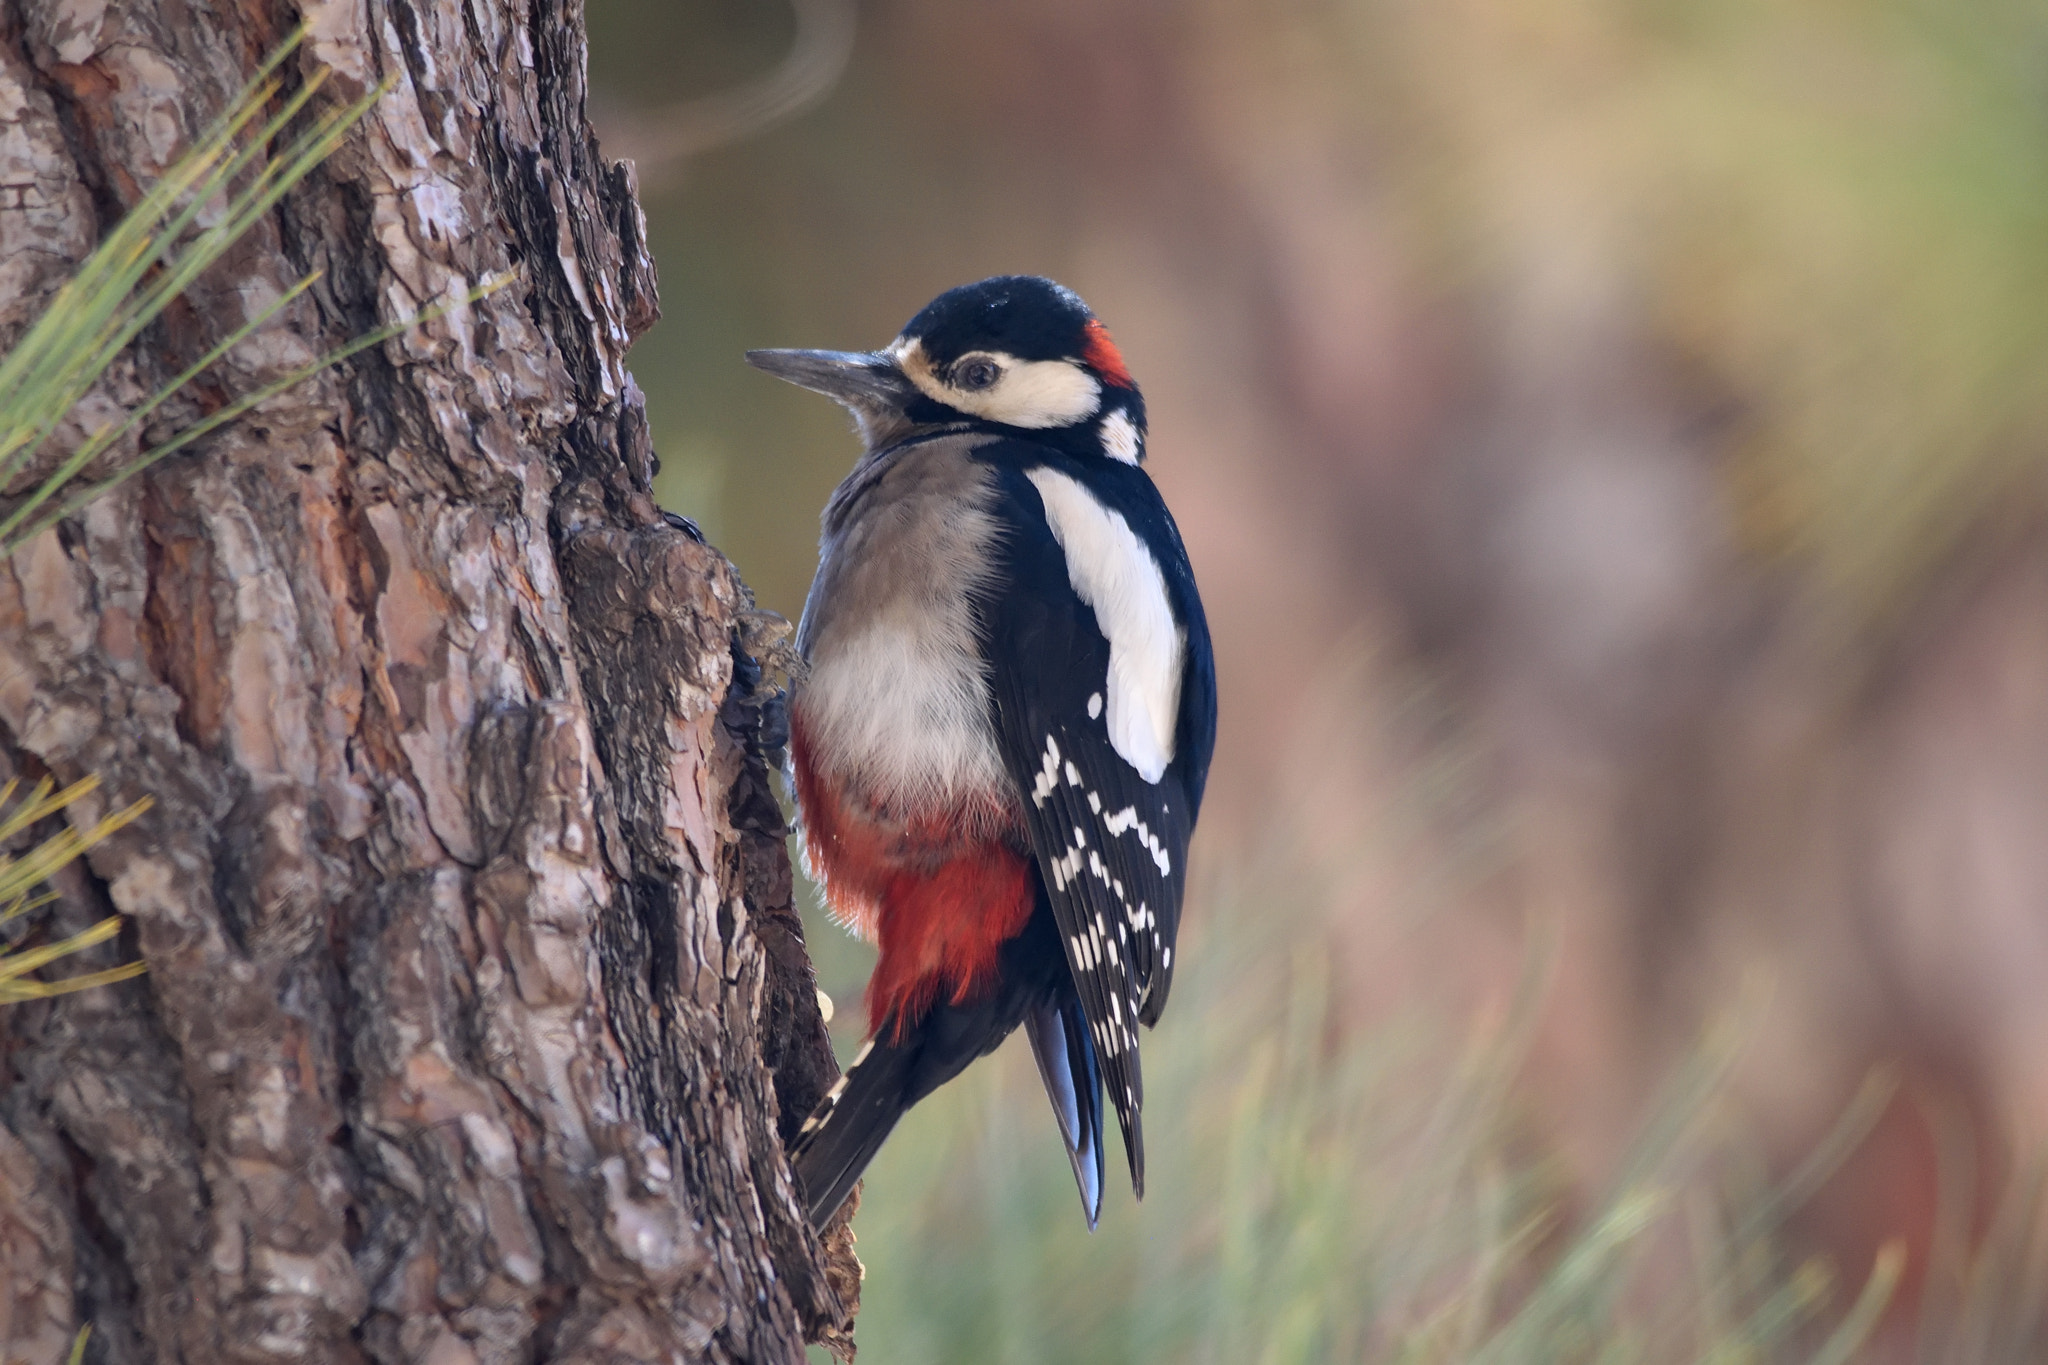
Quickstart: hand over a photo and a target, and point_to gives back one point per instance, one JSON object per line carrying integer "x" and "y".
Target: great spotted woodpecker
{"x": 1001, "y": 739}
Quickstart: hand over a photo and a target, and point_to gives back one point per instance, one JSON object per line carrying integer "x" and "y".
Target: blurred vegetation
{"x": 1322, "y": 1192}
{"x": 1820, "y": 233}
{"x": 1329, "y": 1185}
{"x": 1830, "y": 216}
{"x": 1835, "y": 212}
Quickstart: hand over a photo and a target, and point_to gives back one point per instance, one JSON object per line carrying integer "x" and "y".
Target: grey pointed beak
{"x": 865, "y": 381}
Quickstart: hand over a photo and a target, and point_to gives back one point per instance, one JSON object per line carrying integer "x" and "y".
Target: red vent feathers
{"x": 1103, "y": 357}
{"x": 940, "y": 892}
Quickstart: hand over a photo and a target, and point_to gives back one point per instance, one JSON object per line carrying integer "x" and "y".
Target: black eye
{"x": 977, "y": 374}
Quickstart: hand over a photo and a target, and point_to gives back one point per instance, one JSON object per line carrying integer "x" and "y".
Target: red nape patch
{"x": 1102, "y": 355}
{"x": 939, "y": 891}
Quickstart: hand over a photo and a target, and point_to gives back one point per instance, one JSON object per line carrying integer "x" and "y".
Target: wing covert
{"x": 1110, "y": 845}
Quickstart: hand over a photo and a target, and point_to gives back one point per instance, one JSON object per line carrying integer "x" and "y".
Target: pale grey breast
{"x": 896, "y": 699}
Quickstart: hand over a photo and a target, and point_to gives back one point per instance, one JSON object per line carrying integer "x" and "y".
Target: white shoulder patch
{"x": 1120, "y": 439}
{"x": 1113, "y": 572}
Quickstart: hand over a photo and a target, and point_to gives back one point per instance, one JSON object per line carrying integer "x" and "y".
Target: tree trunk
{"x": 476, "y": 998}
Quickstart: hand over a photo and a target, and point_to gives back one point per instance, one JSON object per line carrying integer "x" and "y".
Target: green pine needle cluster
{"x": 223, "y": 186}
{"x": 152, "y": 257}
{"x": 22, "y": 880}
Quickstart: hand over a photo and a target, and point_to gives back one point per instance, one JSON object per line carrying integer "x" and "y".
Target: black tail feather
{"x": 847, "y": 1128}
{"x": 1073, "y": 1082}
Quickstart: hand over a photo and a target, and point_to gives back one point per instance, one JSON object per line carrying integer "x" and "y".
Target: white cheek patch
{"x": 1033, "y": 394}
{"x": 1120, "y": 439}
{"x": 1115, "y": 574}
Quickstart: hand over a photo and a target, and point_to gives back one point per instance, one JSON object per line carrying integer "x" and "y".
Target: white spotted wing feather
{"x": 1088, "y": 663}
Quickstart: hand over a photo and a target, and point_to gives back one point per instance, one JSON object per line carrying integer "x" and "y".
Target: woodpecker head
{"x": 1014, "y": 353}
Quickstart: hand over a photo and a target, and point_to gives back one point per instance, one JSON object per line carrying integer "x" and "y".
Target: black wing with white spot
{"x": 1111, "y": 846}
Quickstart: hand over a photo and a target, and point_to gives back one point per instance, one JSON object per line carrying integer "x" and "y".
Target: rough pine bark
{"x": 475, "y": 998}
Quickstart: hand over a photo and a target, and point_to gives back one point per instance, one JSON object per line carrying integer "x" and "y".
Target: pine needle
{"x": 156, "y": 253}
{"x": 20, "y": 877}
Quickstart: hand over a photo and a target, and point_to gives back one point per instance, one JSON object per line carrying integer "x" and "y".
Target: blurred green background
{"x": 1610, "y": 439}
